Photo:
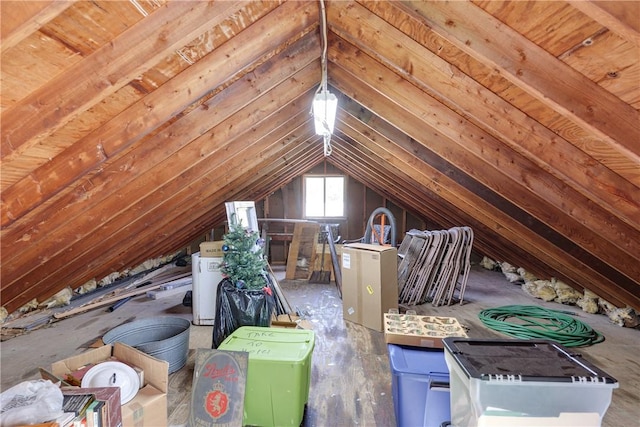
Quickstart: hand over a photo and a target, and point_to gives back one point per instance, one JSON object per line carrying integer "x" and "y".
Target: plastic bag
{"x": 240, "y": 307}
{"x": 30, "y": 402}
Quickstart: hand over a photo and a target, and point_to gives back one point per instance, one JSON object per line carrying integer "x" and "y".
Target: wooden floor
{"x": 351, "y": 379}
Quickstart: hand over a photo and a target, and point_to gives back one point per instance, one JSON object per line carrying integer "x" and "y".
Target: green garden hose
{"x": 533, "y": 322}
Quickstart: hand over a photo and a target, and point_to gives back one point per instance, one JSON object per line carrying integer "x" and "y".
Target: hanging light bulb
{"x": 325, "y": 105}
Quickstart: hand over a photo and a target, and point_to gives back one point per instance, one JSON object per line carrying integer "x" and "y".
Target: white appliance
{"x": 206, "y": 277}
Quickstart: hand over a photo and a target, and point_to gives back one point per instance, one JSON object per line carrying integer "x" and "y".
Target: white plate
{"x": 113, "y": 374}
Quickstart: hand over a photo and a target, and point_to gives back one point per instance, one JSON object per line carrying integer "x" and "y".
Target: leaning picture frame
{"x": 243, "y": 212}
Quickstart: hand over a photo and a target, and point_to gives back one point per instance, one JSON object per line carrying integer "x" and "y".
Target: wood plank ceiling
{"x": 127, "y": 124}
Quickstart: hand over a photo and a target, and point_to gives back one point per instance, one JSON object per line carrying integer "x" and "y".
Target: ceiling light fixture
{"x": 325, "y": 104}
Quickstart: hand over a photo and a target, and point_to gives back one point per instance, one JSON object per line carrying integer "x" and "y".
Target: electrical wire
{"x": 327, "y": 144}
{"x": 534, "y": 322}
{"x": 323, "y": 84}
{"x": 323, "y": 57}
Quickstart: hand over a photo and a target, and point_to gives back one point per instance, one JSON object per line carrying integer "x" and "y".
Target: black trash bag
{"x": 240, "y": 307}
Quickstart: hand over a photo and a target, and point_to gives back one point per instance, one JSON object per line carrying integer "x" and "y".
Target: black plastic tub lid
{"x": 522, "y": 360}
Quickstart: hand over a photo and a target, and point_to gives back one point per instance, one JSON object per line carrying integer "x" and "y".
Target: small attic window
{"x": 324, "y": 196}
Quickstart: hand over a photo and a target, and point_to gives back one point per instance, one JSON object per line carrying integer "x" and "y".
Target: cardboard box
{"x": 149, "y": 407}
{"x": 369, "y": 283}
{"x": 420, "y": 331}
{"x": 211, "y": 249}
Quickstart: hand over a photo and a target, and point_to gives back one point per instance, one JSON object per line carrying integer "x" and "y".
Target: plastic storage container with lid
{"x": 279, "y": 373}
{"x": 420, "y": 386}
{"x": 522, "y": 379}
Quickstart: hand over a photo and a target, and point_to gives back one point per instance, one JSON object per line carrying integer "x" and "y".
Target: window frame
{"x": 324, "y": 176}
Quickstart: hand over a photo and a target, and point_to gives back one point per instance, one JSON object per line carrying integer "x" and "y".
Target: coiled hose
{"x": 533, "y": 322}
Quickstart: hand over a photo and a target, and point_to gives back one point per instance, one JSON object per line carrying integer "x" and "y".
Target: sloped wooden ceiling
{"x": 127, "y": 124}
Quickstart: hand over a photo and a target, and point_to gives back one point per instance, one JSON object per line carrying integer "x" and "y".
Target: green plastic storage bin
{"x": 279, "y": 373}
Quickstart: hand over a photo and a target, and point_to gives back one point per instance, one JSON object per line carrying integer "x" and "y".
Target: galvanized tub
{"x": 166, "y": 338}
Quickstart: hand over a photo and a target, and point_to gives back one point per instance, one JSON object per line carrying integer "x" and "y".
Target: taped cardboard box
{"x": 420, "y": 331}
{"x": 149, "y": 407}
{"x": 369, "y": 283}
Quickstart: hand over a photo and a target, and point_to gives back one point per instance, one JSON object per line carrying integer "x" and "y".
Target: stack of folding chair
{"x": 434, "y": 265}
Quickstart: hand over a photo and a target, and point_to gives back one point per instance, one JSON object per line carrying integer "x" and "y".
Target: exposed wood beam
{"x": 460, "y": 144}
{"x": 390, "y": 184}
{"x": 274, "y": 171}
{"x": 213, "y": 188}
{"x": 144, "y": 158}
{"x": 287, "y": 145}
{"x": 510, "y": 95}
{"x": 462, "y": 94}
{"x": 145, "y": 198}
{"x": 526, "y": 207}
{"x": 245, "y": 189}
{"x": 433, "y": 207}
{"x": 168, "y": 238}
{"x": 293, "y": 158}
{"x": 282, "y": 169}
{"x": 619, "y": 17}
{"x": 373, "y": 135}
{"x": 291, "y": 144}
{"x": 28, "y": 158}
{"x": 405, "y": 105}
{"x": 227, "y": 62}
{"x": 108, "y": 69}
{"x": 532, "y": 68}
{"x": 352, "y": 157}
{"x": 21, "y": 18}
{"x": 501, "y": 224}
{"x": 173, "y": 138}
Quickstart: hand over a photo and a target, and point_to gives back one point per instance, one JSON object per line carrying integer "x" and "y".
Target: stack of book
{"x": 91, "y": 407}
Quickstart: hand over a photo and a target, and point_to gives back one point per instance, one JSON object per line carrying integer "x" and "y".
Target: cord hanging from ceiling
{"x": 325, "y": 104}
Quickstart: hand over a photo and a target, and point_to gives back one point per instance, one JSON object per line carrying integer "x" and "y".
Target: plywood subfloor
{"x": 350, "y": 383}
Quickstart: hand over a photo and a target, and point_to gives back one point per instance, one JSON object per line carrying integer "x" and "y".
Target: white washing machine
{"x": 206, "y": 277}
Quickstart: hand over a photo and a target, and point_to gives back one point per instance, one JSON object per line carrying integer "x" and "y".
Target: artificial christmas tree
{"x": 244, "y": 262}
{"x": 244, "y": 296}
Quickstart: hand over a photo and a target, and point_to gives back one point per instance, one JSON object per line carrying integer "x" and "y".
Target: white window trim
{"x": 344, "y": 196}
